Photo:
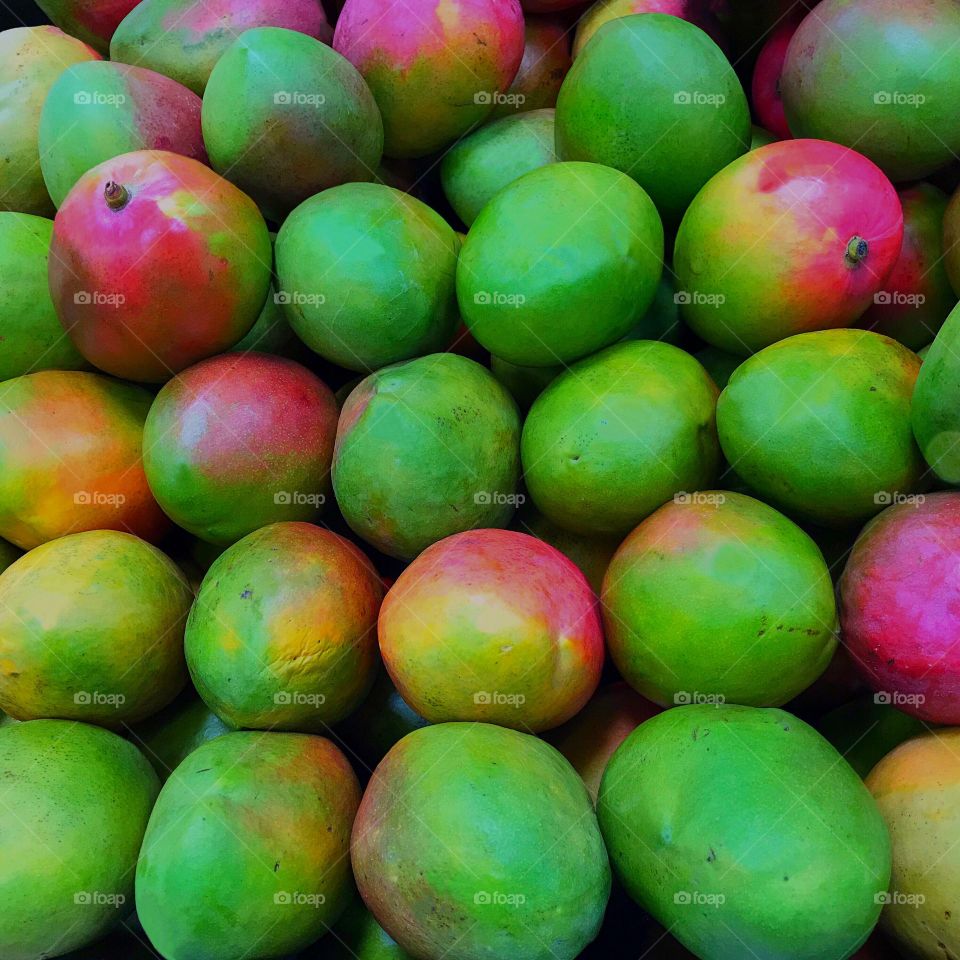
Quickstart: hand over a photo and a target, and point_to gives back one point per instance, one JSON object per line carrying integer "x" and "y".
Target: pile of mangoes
{"x": 480, "y": 480}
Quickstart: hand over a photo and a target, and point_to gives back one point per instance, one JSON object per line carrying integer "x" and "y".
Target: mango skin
{"x": 536, "y": 293}
{"x": 32, "y": 336}
{"x": 358, "y": 936}
{"x": 479, "y": 870}
{"x": 848, "y": 53}
{"x": 916, "y": 788}
{"x": 606, "y": 114}
{"x": 92, "y": 21}
{"x": 76, "y": 803}
{"x": 283, "y": 634}
{"x": 719, "y": 597}
{"x": 673, "y": 834}
{"x": 31, "y": 59}
{"x": 71, "y": 458}
{"x": 743, "y": 288}
{"x": 951, "y": 241}
{"x": 239, "y": 441}
{"x": 618, "y": 435}
{"x": 98, "y": 110}
{"x": 936, "y": 424}
{"x": 436, "y": 67}
{"x": 426, "y": 449}
{"x": 374, "y": 302}
{"x": 185, "y": 42}
{"x": 116, "y": 631}
{"x": 276, "y": 149}
{"x": 833, "y": 449}
{"x": 480, "y": 165}
{"x": 248, "y": 844}
{"x": 461, "y": 633}
{"x": 546, "y": 60}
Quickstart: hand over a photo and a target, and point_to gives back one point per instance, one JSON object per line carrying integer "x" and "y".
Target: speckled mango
{"x": 184, "y": 40}
{"x": 283, "y": 634}
{"x": 246, "y": 851}
{"x": 535, "y": 292}
{"x": 70, "y": 458}
{"x": 110, "y": 651}
{"x": 240, "y": 441}
{"x": 98, "y": 110}
{"x": 198, "y": 292}
{"x": 285, "y": 117}
{"x": 479, "y": 870}
{"x": 436, "y": 67}
{"x": 426, "y": 449}
{"x": 31, "y": 59}
{"x": 76, "y": 803}
{"x": 795, "y": 866}
{"x": 32, "y": 336}
{"x": 546, "y": 60}
{"x": 819, "y": 425}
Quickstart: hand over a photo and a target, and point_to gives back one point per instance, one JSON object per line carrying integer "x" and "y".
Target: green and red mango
{"x": 76, "y": 799}
{"x": 765, "y": 85}
{"x": 248, "y": 844}
{"x": 92, "y": 21}
{"x": 32, "y": 336}
{"x": 546, "y": 60}
{"x": 31, "y": 59}
{"x": 283, "y": 634}
{"x": 425, "y": 449}
{"x": 879, "y": 76}
{"x": 361, "y": 302}
{"x": 110, "y": 651}
{"x": 480, "y": 165}
{"x": 537, "y": 293}
{"x": 839, "y": 228}
{"x": 897, "y": 610}
{"x": 819, "y": 425}
{"x": 464, "y": 637}
{"x": 503, "y": 860}
{"x": 717, "y": 598}
{"x": 436, "y": 67}
{"x": 70, "y": 458}
{"x": 619, "y": 106}
{"x": 285, "y": 117}
{"x": 745, "y": 834}
{"x": 618, "y": 434}
{"x": 239, "y": 441}
{"x": 98, "y": 110}
{"x": 184, "y": 40}
{"x": 200, "y": 289}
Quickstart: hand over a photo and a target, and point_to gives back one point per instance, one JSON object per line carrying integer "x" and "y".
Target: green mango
{"x": 76, "y": 799}
{"x": 745, "y": 834}
{"x": 358, "y": 936}
{"x": 246, "y": 851}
